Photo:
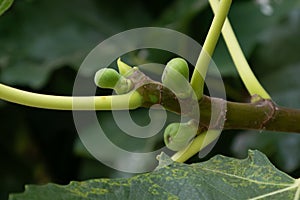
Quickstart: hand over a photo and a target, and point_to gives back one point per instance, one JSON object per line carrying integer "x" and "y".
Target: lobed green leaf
{"x": 219, "y": 178}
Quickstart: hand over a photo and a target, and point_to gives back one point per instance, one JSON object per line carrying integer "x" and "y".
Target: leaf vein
{"x": 295, "y": 185}
{"x": 247, "y": 179}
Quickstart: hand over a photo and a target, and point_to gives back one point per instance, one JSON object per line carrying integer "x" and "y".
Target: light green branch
{"x": 199, "y": 143}
{"x": 197, "y": 81}
{"x": 116, "y": 102}
{"x": 252, "y": 84}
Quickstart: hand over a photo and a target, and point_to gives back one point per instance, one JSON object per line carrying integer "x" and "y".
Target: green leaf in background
{"x": 285, "y": 93}
{"x": 219, "y": 178}
{"x": 276, "y": 61}
{"x": 4, "y": 5}
{"x": 179, "y": 15}
{"x": 38, "y": 37}
{"x": 150, "y": 140}
{"x": 282, "y": 148}
{"x": 249, "y": 24}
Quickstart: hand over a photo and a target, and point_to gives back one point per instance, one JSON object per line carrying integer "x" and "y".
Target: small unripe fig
{"x": 110, "y": 78}
{"x": 177, "y": 136}
{"x": 107, "y": 78}
{"x": 180, "y": 65}
{"x": 176, "y": 76}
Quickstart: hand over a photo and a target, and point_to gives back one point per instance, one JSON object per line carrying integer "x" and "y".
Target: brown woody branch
{"x": 261, "y": 115}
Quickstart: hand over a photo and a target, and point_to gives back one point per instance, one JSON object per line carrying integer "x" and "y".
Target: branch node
{"x": 270, "y": 112}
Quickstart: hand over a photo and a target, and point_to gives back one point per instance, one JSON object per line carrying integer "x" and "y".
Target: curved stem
{"x": 117, "y": 102}
{"x": 197, "y": 81}
{"x": 252, "y": 84}
{"x": 199, "y": 143}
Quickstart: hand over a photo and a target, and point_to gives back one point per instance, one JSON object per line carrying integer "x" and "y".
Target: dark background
{"x": 42, "y": 44}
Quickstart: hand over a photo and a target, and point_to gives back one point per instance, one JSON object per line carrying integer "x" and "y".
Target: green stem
{"x": 197, "y": 81}
{"x": 200, "y": 142}
{"x": 252, "y": 84}
{"x": 117, "y": 102}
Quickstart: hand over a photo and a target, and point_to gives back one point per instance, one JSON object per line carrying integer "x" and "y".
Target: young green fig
{"x": 177, "y": 136}
{"x": 110, "y": 78}
{"x": 176, "y": 76}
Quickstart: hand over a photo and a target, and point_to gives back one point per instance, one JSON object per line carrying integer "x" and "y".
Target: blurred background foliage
{"x": 42, "y": 44}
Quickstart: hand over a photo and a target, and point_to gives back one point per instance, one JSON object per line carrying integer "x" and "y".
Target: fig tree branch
{"x": 260, "y": 115}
